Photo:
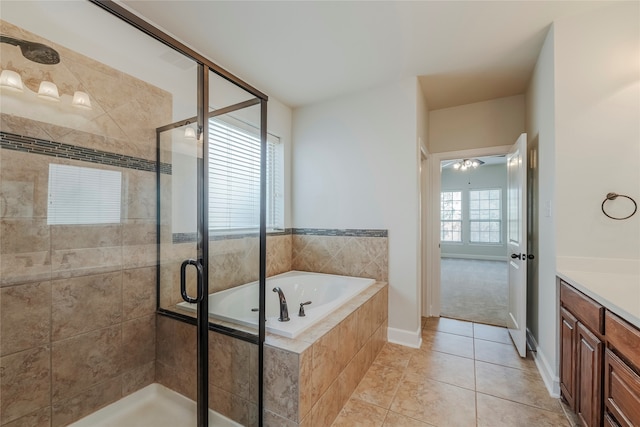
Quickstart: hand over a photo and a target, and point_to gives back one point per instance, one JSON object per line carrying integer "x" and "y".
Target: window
{"x": 79, "y": 195}
{"x": 451, "y": 216}
{"x": 485, "y": 217}
{"x": 234, "y": 177}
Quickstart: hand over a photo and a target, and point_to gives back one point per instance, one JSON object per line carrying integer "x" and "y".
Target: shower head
{"x": 36, "y": 52}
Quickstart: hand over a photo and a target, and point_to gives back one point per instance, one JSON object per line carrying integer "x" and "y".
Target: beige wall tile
{"x": 138, "y": 342}
{"x": 23, "y": 179}
{"x": 84, "y": 361}
{"x": 182, "y": 382}
{"x": 20, "y": 235}
{"x": 25, "y": 381}
{"x": 85, "y": 303}
{"x": 176, "y": 344}
{"x": 25, "y": 317}
{"x": 281, "y": 379}
{"x": 307, "y": 394}
{"x": 84, "y": 403}
{"x": 85, "y": 236}
{"x": 326, "y": 361}
{"x": 273, "y": 420}
{"x": 348, "y": 339}
{"x": 365, "y": 322}
{"x": 25, "y": 268}
{"x": 39, "y": 418}
{"x": 328, "y": 407}
{"x": 138, "y": 292}
{"x": 139, "y": 377}
{"x": 229, "y": 364}
{"x": 67, "y": 263}
{"x": 139, "y": 192}
{"x": 232, "y": 406}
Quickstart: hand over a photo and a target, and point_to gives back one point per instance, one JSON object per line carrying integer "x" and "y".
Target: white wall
{"x": 597, "y": 72}
{"x": 355, "y": 165}
{"x": 482, "y": 124}
{"x": 541, "y": 295}
{"x": 487, "y": 176}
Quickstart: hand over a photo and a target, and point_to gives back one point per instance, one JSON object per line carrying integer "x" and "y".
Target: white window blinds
{"x": 234, "y": 178}
{"x": 79, "y": 195}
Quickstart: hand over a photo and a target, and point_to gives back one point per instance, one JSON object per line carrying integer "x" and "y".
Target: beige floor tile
{"x": 491, "y": 333}
{"x": 357, "y": 413}
{"x": 379, "y": 385}
{"x": 447, "y": 343}
{"x": 452, "y": 326}
{"x": 442, "y": 367}
{"x": 395, "y": 355}
{"x": 396, "y": 420}
{"x": 496, "y": 412}
{"x": 435, "y": 403}
{"x": 502, "y": 354}
{"x": 514, "y": 384}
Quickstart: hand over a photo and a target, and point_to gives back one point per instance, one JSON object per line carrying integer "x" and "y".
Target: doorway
{"x": 473, "y": 264}
{"x": 468, "y": 271}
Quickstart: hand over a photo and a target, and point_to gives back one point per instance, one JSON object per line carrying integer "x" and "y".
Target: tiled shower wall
{"x": 77, "y": 318}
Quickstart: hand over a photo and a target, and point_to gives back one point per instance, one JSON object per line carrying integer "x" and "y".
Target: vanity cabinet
{"x": 599, "y": 362}
{"x": 581, "y": 349}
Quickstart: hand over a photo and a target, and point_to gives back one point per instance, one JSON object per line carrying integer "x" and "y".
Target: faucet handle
{"x": 301, "y": 311}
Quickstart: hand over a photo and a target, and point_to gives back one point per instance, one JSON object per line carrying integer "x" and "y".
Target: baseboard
{"x": 478, "y": 257}
{"x": 405, "y": 338}
{"x": 550, "y": 379}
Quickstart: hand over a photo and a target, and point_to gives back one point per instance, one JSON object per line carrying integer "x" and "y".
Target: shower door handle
{"x": 183, "y": 281}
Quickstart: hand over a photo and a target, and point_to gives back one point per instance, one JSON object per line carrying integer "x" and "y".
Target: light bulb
{"x": 456, "y": 165}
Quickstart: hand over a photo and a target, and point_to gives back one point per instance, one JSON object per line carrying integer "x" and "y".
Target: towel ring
{"x": 613, "y": 196}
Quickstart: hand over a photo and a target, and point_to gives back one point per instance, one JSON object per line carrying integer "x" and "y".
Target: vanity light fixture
{"x": 11, "y": 80}
{"x": 81, "y": 100}
{"x": 465, "y": 164}
{"x": 48, "y": 90}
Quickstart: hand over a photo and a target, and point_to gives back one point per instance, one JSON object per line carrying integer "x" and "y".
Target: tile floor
{"x": 465, "y": 374}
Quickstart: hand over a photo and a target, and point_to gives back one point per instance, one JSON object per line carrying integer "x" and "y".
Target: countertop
{"x": 613, "y": 283}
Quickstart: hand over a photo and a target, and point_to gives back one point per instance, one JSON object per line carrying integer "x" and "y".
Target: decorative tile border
{"x": 11, "y": 141}
{"x": 351, "y": 232}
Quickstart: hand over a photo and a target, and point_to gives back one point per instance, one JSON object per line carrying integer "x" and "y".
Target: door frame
{"x": 431, "y": 290}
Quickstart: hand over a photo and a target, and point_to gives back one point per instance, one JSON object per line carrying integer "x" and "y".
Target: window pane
{"x": 451, "y": 216}
{"x": 485, "y": 215}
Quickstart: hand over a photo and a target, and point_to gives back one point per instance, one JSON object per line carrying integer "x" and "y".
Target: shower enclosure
{"x": 132, "y": 185}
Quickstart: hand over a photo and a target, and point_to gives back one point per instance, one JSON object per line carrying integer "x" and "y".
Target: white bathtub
{"x": 325, "y": 291}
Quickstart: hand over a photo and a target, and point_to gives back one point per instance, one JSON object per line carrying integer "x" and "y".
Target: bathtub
{"x": 326, "y": 292}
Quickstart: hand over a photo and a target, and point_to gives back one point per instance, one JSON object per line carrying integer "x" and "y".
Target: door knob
{"x": 517, "y": 256}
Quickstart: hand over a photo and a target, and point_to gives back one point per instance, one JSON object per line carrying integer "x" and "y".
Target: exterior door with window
{"x": 517, "y": 243}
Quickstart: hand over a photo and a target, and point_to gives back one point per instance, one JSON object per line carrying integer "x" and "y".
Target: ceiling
{"x": 309, "y": 51}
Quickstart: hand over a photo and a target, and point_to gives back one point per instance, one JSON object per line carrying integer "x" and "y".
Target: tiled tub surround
{"x": 310, "y": 378}
{"x": 307, "y": 379}
{"x": 77, "y": 302}
{"x": 359, "y": 253}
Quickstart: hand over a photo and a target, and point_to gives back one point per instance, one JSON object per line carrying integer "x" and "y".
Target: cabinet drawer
{"x": 621, "y": 390}
{"x": 624, "y": 338}
{"x": 589, "y": 312}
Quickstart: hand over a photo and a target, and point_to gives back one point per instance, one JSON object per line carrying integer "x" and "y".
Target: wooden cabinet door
{"x": 589, "y": 377}
{"x": 568, "y": 335}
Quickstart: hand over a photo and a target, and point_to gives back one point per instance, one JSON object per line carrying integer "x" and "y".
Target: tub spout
{"x": 284, "y": 310}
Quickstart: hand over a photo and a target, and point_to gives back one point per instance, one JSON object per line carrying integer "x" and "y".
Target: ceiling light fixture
{"x": 465, "y": 164}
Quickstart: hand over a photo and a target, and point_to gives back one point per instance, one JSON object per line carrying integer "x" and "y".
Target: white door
{"x": 517, "y": 242}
